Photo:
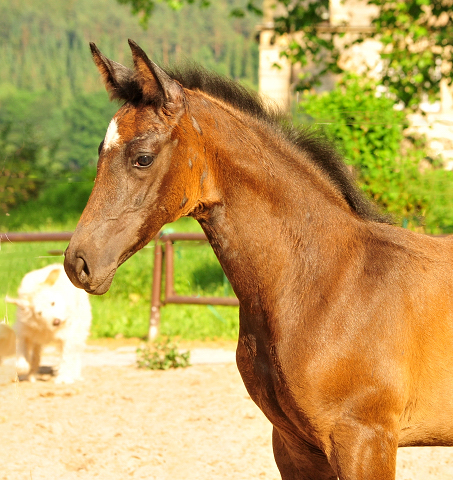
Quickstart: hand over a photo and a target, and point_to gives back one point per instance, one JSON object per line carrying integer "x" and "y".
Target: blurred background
{"x": 375, "y": 76}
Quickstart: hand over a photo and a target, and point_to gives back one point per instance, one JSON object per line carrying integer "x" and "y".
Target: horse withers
{"x": 346, "y": 325}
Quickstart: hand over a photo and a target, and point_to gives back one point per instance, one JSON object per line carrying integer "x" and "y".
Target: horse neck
{"x": 275, "y": 210}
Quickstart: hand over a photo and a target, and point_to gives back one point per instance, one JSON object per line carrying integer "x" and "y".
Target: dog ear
{"x": 52, "y": 277}
{"x": 17, "y": 301}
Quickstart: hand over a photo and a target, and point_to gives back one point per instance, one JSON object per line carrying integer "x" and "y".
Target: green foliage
{"x": 44, "y": 45}
{"x": 86, "y": 119}
{"x": 209, "y": 37}
{"x": 28, "y": 142}
{"x": 162, "y": 356}
{"x": 17, "y": 183}
{"x": 146, "y": 8}
{"x": 313, "y": 47}
{"x": 436, "y": 185}
{"x": 57, "y": 207}
{"x": 41, "y": 144}
{"x": 370, "y": 132}
{"x": 417, "y": 37}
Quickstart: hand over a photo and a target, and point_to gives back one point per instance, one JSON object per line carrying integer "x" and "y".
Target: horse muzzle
{"x": 99, "y": 246}
{"x": 90, "y": 276}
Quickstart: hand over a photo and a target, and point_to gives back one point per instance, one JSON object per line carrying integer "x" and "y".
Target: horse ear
{"x": 117, "y": 78}
{"x": 156, "y": 85}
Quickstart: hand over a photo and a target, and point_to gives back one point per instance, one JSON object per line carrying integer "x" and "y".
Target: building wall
{"x": 274, "y": 82}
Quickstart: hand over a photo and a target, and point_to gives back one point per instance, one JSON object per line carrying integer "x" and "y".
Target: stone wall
{"x": 438, "y": 130}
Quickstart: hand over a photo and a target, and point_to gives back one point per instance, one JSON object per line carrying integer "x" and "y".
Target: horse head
{"x": 146, "y": 176}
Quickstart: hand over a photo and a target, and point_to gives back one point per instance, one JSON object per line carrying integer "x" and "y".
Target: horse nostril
{"x": 56, "y": 322}
{"x": 81, "y": 269}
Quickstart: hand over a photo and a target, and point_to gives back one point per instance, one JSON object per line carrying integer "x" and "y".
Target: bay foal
{"x": 346, "y": 327}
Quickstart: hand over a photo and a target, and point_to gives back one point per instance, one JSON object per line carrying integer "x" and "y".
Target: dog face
{"x": 50, "y": 308}
{"x": 44, "y": 307}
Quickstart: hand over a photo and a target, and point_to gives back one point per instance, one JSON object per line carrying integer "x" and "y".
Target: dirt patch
{"x": 189, "y": 424}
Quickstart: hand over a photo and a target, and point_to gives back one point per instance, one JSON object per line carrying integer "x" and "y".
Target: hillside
{"x": 44, "y": 45}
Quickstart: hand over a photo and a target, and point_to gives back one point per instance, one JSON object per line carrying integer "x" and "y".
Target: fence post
{"x": 169, "y": 281}
{"x": 154, "y": 320}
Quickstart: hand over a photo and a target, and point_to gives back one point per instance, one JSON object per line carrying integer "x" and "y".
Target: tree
{"x": 29, "y": 134}
{"x": 417, "y": 51}
{"x": 415, "y": 34}
{"x": 145, "y": 8}
{"x": 416, "y": 37}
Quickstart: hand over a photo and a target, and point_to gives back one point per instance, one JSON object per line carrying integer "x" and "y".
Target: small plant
{"x": 162, "y": 356}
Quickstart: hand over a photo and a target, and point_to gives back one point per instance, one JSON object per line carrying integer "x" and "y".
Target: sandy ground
{"x": 124, "y": 423}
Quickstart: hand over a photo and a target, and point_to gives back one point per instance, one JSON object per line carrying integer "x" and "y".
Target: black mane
{"x": 309, "y": 140}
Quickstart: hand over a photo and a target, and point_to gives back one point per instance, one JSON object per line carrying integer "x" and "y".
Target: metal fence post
{"x": 154, "y": 320}
{"x": 169, "y": 282}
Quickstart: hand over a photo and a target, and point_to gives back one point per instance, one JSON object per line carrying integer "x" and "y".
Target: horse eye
{"x": 143, "y": 161}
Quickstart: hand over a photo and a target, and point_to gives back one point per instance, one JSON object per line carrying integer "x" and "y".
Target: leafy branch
{"x": 145, "y": 8}
{"x": 416, "y": 37}
{"x": 415, "y": 34}
{"x": 417, "y": 50}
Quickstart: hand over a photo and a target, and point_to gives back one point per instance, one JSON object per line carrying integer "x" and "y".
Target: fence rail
{"x": 164, "y": 252}
{"x": 163, "y": 261}
{"x": 35, "y": 237}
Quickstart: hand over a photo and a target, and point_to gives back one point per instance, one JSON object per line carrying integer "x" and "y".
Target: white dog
{"x": 51, "y": 310}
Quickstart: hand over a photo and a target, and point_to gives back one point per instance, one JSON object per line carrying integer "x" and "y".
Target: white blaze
{"x": 112, "y": 136}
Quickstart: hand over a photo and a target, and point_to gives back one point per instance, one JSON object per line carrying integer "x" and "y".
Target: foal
{"x": 346, "y": 328}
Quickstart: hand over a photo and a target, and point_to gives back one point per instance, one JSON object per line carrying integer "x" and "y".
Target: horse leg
{"x": 364, "y": 451}
{"x": 300, "y": 462}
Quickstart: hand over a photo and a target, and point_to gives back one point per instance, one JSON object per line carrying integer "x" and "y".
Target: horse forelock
{"x": 131, "y": 123}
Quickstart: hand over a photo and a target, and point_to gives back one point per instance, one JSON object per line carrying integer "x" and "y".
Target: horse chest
{"x": 260, "y": 370}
